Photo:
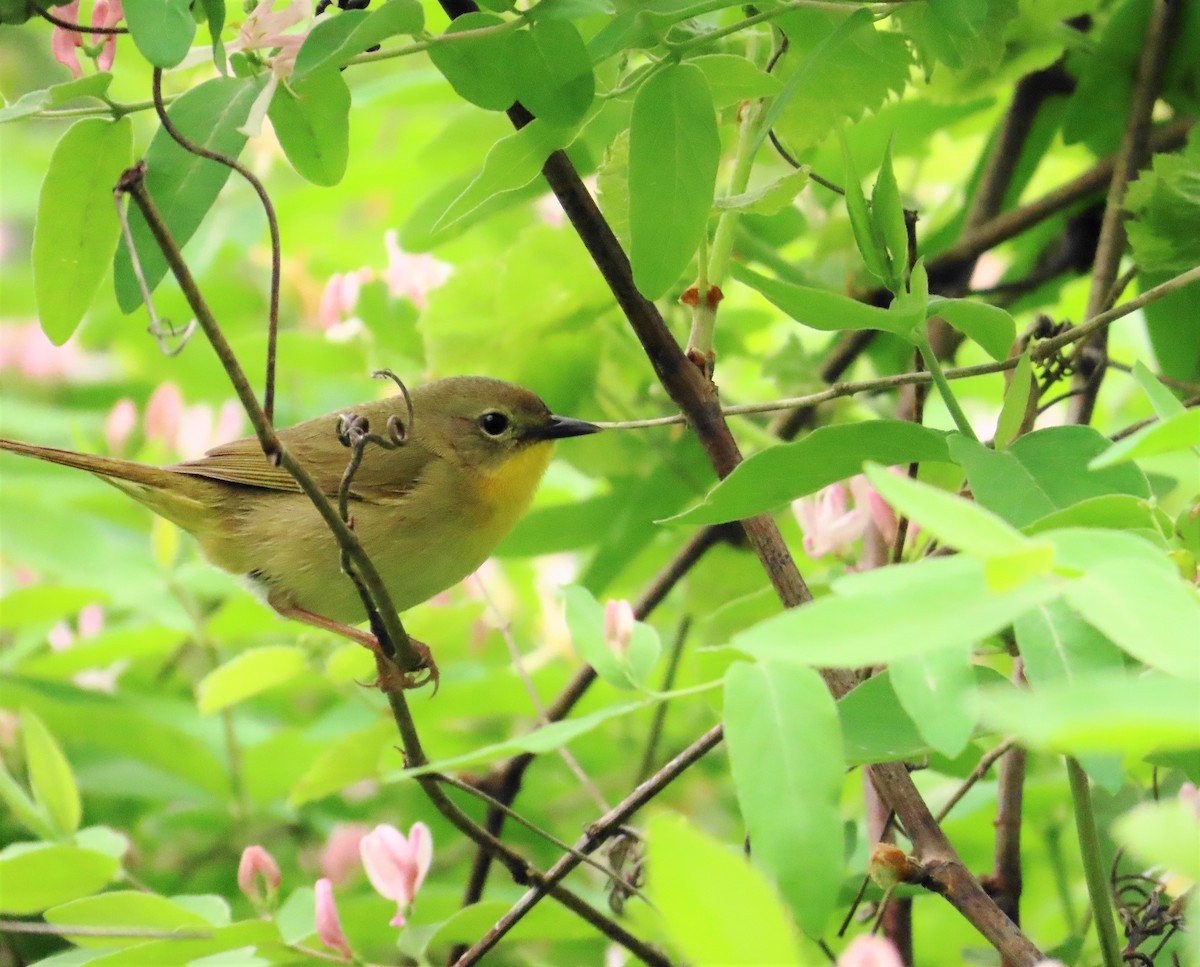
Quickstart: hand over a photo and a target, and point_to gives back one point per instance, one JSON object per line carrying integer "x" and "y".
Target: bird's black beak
{"x": 559, "y": 427}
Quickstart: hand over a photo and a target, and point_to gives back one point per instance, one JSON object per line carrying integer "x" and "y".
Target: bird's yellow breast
{"x": 507, "y": 489}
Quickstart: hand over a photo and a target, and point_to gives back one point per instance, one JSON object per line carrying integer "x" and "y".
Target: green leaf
{"x": 782, "y": 473}
{"x": 785, "y": 742}
{"x": 554, "y": 72}
{"x": 733, "y": 79}
{"x": 887, "y": 217}
{"x": 77, "y": 227}
{"x": 1163, "y": 835}
{"x": 674, "y": 150}
{"x": 959, "y": 33}
{"x": 1176, "y": 342}
{"x": 878, "y": 617}
{"x": 237, "y": 942}
{"x": 22, "y": 807}
{"x": 867, "y": 235}
{"x": 480, "y": 69}
{"x": 511, "y": 164}
{"x": 990, "y": 326}
{"x": 1162, "y": 399}
{"x": 1147, "y": 610}
{"x": 351, "y": 759}
{"x": 162, "y": 30}
{"x": 333, "y": 42}
{"x": 214, "y": 15}
{"x": 934, "y": 689}
{"x": 1057, "y": 645}
{"x": 1109, "y": 713}
{"x": 1042, "y": 472}
{"x": 1178, "y": 432}
{"x": 131, "y": 909}
{"x": 1165, "y": 230}
{"x": 90, "y": 85}
{"x": 849, "y": 66}
{"x": 586, "y": 621}
{"x": 311, "y": 118}
{"x": 248, "y": 674}
{"x": 1009, "y": 557}
{"x": 183, "y": 185}
{"x": 35, "y": 877}
{"x": 875, "y": 726}
{"x": 770, "y": 198}
{"x": 1016, "y": 403}
{"x": 740, "y": 922}
{"x": 1111, "y": 512}
{"x": 822, "y": 309}
{"x": 50, "y": 776}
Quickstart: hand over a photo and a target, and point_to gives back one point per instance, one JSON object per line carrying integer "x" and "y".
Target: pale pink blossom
{"x": 164, "y": 413}
{"x": 869, "y": 951}
{"x": 119, "y": 424}
{"x": 618, "y": 625}
{"x": 412, "y": 276}
{"x": 10, "y": 729}
{"x": 257, "y": 869}
{"x": 340, "y": 854}
{"x": 90, "y": 621}
{"x": 101, "y": 679}
{"x": 263, "y": 31}
{"x": 832, "y": 526}
{"x": 329, "y": 925}
{"x": 64, "y": 43}
{"x": 106, "y": 13}
{"x": 396, "y": 865}
{"x": 338, "y": 302}
{"x": 60, "y": 637}
{"x": 1190, "y": 795}
{"x": 195, "y": 431}
{"x": 26, "y": 350}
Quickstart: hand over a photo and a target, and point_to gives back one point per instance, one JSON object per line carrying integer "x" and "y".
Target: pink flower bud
{"x": 1190, "y": 795}
{"x": 122, "y": 418}
{"x": 229, "y": 423}
{"x": 339, "y": 857}
{"x": 868, "y": 951}
{"x": 91, "y": 621}
{"x": 395, "y": 865}
{"x": 329, "y": 926}
{"x": 257, "y": 864}
{"x": 618, "y": 625}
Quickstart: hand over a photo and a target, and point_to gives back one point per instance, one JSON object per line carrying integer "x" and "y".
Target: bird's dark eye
{"x": 493, "y": 423}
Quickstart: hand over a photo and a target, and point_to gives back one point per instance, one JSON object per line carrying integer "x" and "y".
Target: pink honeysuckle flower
{"x": 868, "y": 951}
{"x": 64, "y": 43}
{"x": 26, "y": 350}
{"x": 106, "y": 13}
{"x": 879, "y": 510}
{"x": 340, "y": 854}
{"x": 396, "y": 865}
{"x": 119, "y": 424}
{"x": 100, "y": 679}
{"x": 329, "y": 925}
{"x": 256, "y": 867}
{"x": 412, "y": 276}
{"x": 264, "y": 31}
{"x": 338, "y": 302}
{"x": 90, "y": 621}
{"x": 1190, "y": 795}
{"x": 618, "y": 625}
{"x": 831, "y": 526}
{"x": 60, "y": 637}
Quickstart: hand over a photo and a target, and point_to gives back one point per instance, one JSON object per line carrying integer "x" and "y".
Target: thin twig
{"x": 272, "y": 225}
{"x": 660, "y": 710}
{"x": 986, "y": 761}
{"x": 66, "y": 930}
{"x": 74, "y": 27}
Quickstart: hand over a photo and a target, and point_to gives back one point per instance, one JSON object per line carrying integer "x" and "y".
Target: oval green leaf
{"x": 77, "y": 228}
{"x": 554, "y": 72}
{"x": 162, "y": 30}
{"x": 248, "y": 674}
{"x": 35, "y": 878}
{"x": 773, "y": 477}
{"x": 1178, "y": 432}
{"x": 480, "y": 69}
{"x": 183, "y": 185}
{"x": 785, "y": 745}
{"x": 50, "y": 775}
{"x": 311, "y": 118}
{"x": 131, "y": 909}
{"x": 674, "y": 150}
{"x": 990, "y": 326}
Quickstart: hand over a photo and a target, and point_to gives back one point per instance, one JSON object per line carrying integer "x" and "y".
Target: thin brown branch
{"x": 74, "y": 27}
{"x": 1130, "y": 156}
{"x": 272, "y": 225}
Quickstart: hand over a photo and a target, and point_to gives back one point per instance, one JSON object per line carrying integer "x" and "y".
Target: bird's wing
{"x": 384, "y": 475}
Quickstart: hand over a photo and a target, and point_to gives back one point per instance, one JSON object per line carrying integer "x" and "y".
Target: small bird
{"x": 428, "y": 509}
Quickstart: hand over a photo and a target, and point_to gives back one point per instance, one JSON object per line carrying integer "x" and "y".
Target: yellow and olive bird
{"x": 428, "y": 512}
